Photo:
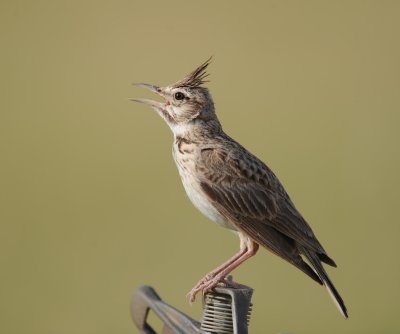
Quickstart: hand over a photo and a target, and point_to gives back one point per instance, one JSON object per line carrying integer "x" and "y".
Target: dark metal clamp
{"x": 226, "y": 310}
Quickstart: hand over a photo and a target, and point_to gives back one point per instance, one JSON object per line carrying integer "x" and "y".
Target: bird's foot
{"x": 199, "y": 287}
{"x": 210, "y": 281}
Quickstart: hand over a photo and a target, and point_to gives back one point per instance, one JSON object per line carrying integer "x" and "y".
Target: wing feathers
{"x": 246, "y": 191}
{"x": 279, "y": 244}
{"x": 252, "y": 201}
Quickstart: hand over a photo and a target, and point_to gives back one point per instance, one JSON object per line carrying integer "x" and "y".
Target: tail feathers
{"x": 337, "y": 299}
{"x": 326, "y": 259}
{"x": 315, "y": 261}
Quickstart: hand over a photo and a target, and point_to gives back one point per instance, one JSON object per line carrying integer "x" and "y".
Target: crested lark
{"x": 233, "y": 188}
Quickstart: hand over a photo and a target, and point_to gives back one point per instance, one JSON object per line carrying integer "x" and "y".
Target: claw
{"x": 206, "y": 284}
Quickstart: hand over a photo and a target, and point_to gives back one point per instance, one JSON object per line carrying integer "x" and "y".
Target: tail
{"x": 316, "y": 263}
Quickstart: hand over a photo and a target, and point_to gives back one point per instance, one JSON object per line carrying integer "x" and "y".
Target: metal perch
{"x": 226, "y": 310}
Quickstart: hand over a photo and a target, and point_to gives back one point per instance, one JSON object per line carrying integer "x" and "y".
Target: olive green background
{"x": 92, "y": 206}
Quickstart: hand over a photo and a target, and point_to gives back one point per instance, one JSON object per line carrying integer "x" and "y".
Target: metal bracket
{"x": 225, "y": 310}
{"x": 145, "y": 299}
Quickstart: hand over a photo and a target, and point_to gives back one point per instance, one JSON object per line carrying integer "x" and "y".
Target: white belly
{"x": 197, "y": 197}
{"x": 185, "y": 163}
{"x": 201, "y": 202}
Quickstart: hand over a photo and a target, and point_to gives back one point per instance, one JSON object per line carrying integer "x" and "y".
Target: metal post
{"x": 226, "y": 310}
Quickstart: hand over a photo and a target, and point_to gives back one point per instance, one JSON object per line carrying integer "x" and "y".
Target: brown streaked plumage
{"x": 233, "y": 188}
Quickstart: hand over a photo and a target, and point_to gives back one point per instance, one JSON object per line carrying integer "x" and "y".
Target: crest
{"x": 195, "y": 78}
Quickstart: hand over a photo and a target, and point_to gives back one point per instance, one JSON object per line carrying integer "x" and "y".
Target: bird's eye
{"x": 179, "y": 96}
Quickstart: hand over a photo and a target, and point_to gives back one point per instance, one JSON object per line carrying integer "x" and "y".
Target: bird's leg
{"x": 210, "y": 275}
{"x": 251, "y": 251}
{"x": 198, "y": 287}
{"x": 248, "y": 248}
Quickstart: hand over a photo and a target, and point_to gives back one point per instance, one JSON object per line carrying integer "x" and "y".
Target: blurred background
{"x": 92, "y": 205}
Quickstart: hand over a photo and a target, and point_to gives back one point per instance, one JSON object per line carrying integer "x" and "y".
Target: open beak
{"x": 155, "y": 89}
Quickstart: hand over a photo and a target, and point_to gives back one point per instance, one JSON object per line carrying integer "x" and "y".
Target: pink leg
{"x": 212, "y": 274}
{"x": 248, "y": 248}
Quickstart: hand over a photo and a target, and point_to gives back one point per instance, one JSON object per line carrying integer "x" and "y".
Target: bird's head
{"x": 186, "y": 101}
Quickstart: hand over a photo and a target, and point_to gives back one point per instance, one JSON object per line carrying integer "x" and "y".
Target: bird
{"x": 233, "y": 188}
